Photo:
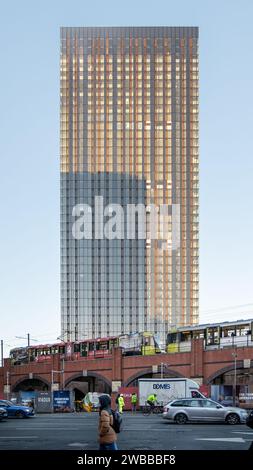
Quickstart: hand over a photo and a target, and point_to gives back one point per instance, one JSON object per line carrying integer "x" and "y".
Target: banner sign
{"x": 61, "y": 401}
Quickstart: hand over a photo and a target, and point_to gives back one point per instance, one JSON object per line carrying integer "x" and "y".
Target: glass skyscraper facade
{"x": 129, "y": 135}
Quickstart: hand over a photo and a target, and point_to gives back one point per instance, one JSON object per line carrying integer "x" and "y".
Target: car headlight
{"x": 27, "y": 409}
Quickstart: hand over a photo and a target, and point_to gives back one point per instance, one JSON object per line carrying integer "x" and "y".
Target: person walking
{"x": 107, "y": 435}
{"x": 121, "y": 403}
{"x": 134, "y": 400}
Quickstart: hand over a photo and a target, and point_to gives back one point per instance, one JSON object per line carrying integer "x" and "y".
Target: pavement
{"x": 78, "y": 431}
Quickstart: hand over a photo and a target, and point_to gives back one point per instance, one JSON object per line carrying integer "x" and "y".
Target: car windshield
{"x": 6, "y": 402}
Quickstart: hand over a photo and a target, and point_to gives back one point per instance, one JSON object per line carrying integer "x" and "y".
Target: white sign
{"x": 55, "y": 386}
{"x": 116, "y": 384}
{"x": 7, "y": 389}
{"x": 30, "y": 375}
{"x": 154, "y": 369}
{"x": 246, "y": 363}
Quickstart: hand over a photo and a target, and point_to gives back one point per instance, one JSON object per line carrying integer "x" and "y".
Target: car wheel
{"x": 232, "y": 418}
{"x": 19, "y": 414}
{"x": 180, "y": 418}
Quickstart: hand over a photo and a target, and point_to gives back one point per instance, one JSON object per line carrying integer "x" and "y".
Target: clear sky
{"x": 29, "y": 149}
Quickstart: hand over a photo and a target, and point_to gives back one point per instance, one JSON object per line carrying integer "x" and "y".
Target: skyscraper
{"x": 129, "y": 135}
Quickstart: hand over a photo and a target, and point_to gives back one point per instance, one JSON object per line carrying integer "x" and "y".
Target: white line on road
{"x": 19, "y": 437}
{"x": 242, "y": 432}
{"x": 153, "y": 429}
{"x": 221, "y": 439}
{"x": 48, "y": 429}
{"x": 78, "y": 444}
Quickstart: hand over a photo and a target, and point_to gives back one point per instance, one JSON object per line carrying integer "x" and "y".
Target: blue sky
{"x": 29, "y": 149}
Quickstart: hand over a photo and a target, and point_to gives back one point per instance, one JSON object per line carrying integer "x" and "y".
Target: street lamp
{"x": 163, "y": 365}
{"x": 161, "y": 370}
{"x": 7, "y": 384}
{"x": 57, "y": 372}
{"x": 52, "y": 384}
{"x": 234, "y": 354}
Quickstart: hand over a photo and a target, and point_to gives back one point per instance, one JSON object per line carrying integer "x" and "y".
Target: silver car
{"x": 195, "y": 409}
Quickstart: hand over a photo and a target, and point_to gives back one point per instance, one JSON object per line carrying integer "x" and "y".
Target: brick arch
{"x": 89, "y": 374}
{"x": 26, "y": 377}
{"x": 222, "y": 371}
{"x": 148, "y": 371}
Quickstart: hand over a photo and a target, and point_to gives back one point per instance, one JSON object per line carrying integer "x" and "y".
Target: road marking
{"x": 242, "y": 432}
{"x": 78, "y": 444}
{"x": 48, "y": 429}
{"x": 221, "y": 439}
{"x": 152, "y": 429}
{"x": 19, "y": 437}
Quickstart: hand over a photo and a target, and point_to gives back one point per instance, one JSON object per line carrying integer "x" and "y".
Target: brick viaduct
{"x": 197, "y": 364}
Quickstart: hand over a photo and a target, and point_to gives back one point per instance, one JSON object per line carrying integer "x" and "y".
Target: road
{"x": 78, "y": 431}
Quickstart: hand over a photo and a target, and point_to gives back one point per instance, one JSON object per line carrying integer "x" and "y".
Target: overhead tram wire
{"x": 233, "y": 307}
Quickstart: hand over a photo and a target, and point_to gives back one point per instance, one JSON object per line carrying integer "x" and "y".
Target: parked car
{"x": 249, "y": 420}
{"x": 182, "y": 410}
{"x": 17, "y": 411}
{"x": 3, "y": 413}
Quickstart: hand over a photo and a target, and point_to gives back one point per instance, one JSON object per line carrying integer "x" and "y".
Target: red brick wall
{"x": 197, "y": 363}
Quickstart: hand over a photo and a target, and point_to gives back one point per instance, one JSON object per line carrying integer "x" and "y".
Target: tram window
{"x": 242, "y": 330}
{"x": 151, "y": 341}
{"x": 111, "y": 344}
{"x": 47, "y": 352}
{"x": 76, "y": 348}
{"x": 213, "y": 335}
{"x": 103, "y": 345}
{"x": 199, "y": 334}
{"x": 171, "y": 338}
{"x": 186, "y": 336}
{"x": 83, "y": 349}
{"x": 229, "y": 332}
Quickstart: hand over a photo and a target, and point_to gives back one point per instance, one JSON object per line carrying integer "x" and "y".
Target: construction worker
{"x": 151, "y": 400}
{"x": 121, "y": 403}
{"x": 134, "y": 400}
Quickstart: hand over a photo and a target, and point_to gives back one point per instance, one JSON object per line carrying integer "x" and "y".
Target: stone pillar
{"x": 197, "y": 358}
{"x": 117, "y": 364}
{"x": 117, "y": 374}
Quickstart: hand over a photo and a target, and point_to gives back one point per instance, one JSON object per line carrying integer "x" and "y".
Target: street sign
{"x": 116, "y": 384}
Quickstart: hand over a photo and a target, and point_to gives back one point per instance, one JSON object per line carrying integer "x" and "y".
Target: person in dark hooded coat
{"x": 107, "y": 435}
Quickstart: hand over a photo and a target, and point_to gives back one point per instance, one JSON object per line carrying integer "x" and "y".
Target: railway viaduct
{"x": 118, "y": 370}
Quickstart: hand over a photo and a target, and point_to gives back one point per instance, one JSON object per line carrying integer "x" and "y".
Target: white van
{"x": 168, "y": 389}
